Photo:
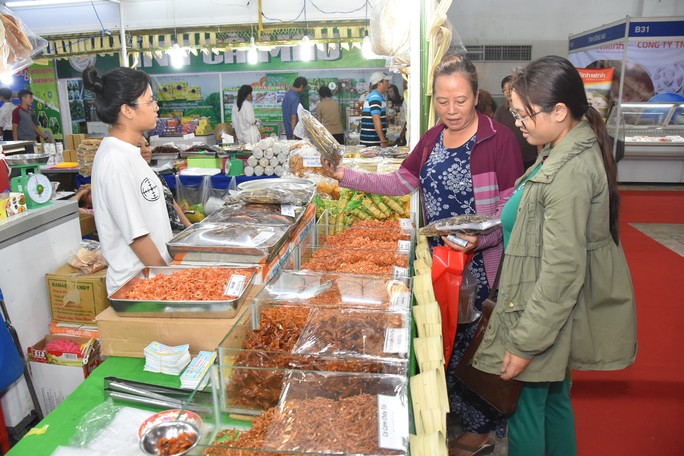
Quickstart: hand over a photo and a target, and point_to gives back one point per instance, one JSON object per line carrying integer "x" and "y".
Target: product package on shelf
{"x": 268, "y": 338}
{"x": 324, "y": 413}
{"x": 19, "y": 43}
{"x": 330, "y": 289}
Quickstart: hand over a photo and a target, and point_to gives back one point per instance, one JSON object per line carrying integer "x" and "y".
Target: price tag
{"x": 404, "y": 246}
{"x": 398, "y": 271}
{"x": 401, "y": 300}
{"x": 393, "y": 426}
{"x": 235, "y": 285}
{"x": 261, "y": 238}
{"x": 396, "y": 340}
{"x": 189, "y": 136}
{"x": 405, "y": 224}
{"x": 154, "y": 138}
{"x": 312, "y": 161}
{"x": 287, "y": 210}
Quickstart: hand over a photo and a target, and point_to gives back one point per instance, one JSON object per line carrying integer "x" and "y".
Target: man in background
{"x": 374, "y": 114}
{"x": 24, "y": 124}
{"x": 6, "y": 113}
{"x": 503, "y": 115}
{"x": 290, "y": 104}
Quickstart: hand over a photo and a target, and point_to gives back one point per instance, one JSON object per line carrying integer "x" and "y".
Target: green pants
{"x": 543, "y": 422}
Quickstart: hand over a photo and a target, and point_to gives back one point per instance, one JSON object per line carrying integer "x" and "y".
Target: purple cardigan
{"x": 495, "y": 164}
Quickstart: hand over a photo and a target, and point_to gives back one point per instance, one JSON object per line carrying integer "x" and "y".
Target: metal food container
{"x": 228, "y": 308}
{"x": 27, "y": 159}
{"x": 227, "y": 242}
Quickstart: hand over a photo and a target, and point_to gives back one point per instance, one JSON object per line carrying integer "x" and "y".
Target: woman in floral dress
{"x": 467, "y": 164}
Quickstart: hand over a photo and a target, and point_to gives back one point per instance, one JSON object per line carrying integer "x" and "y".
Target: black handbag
{"x": 499, "y": 393}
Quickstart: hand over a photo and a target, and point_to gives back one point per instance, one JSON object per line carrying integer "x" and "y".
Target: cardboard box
{"x": 75, "y": 297}
{"x": 69, "y": 155}
{"x": 128, "y": 336}
{"x": 87, "y": 224}
{"x": 72, "y": 141}
{"x": 74, "y": 329}
{"x": 54, "y": 382}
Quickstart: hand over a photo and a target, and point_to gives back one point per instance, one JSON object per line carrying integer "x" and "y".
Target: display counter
{"x": 62, "y": 422}
{"x": 653, "y": 134}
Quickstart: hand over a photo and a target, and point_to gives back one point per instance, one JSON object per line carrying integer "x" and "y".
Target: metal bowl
{"x": 27, "y": 159}
{"x": 169, "y": 430}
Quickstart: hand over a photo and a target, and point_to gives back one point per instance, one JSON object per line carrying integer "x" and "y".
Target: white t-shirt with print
{"x": 128, "y": 201}
{"x": 6, "y": 115}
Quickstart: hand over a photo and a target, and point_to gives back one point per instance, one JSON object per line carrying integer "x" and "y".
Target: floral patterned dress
{"x": 447, "y": 187}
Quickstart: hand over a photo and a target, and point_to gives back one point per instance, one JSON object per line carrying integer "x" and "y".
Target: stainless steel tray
{"x": 125, "y": 307}
{"x": 27, "y": 159}
{"x": 227, "y": 242}
{"x": 165, "y": 156}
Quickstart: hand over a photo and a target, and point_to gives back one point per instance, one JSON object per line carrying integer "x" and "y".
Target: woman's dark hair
{"x": 324, "y": 92}
{"x": 551, "y": 80}
{"x": 242, "y": 95}
{"x": 505, "y": 80}
{"x": 455, "y": 63}
{"x": 114, "y": 89}
{"x": 397, "y": 100}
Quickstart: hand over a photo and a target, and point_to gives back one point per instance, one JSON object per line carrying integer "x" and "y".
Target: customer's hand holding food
{"x": 330, "y": 170}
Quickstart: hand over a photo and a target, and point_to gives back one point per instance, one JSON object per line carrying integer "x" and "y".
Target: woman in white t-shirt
{"x": 245, "y": 124}
{"x": 130, "y": 211}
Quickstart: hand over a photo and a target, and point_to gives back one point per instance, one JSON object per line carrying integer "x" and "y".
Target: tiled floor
{"x": 669, "y": 235}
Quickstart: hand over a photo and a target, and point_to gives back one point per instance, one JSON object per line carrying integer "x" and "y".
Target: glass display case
{"x": 653, "y": 135}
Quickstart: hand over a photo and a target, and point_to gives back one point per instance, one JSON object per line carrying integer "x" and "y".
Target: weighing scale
{"x": 36, "y": 187}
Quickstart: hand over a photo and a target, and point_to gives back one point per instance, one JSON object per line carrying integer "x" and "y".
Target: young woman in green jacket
{"x": 565, "y": 299}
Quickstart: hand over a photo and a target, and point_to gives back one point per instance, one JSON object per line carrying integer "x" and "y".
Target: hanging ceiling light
{"x": 252, "y": 53}
{"x": 367, "y": 47}
{"x": 7, "y": 78}
{"x": 176, "y": 55}
{"x": 306, "y": 49}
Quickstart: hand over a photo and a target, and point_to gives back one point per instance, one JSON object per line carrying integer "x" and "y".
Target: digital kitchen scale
{"x": 36, "y": 187}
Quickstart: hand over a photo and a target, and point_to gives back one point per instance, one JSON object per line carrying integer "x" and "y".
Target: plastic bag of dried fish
{"x": 309, "y": 127}
{"x": 267, "y": 196}
{"x": 465, "y": 224}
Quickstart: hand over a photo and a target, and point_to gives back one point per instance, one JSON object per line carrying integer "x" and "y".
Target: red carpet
{"x": 640, "y": 410}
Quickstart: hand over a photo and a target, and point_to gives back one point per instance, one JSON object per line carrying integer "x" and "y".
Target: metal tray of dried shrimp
{"x": 184, "y": 291}
{"x": 227, "y": 242}
{"x": 256, "y": 214}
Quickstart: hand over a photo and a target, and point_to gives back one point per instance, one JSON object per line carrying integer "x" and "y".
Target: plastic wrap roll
{"x": 257, "y": 153}
{"x": 263, "y": 162}
{"x": 269, "y": 171}
{"x": 268, "y": 153}
{"x": 274, "y": 162}
{"x": 249, "y": 171}
{"x": 252, "y": 161}
{"x": 258, "y": 170}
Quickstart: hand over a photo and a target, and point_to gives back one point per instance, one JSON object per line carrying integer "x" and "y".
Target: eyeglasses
{"x": 154, "y": 102}
{"x": 522, "y": 119}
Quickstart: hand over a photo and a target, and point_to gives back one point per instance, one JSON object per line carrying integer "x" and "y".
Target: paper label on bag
{"x": 393, "y": 426}
{"x": 235, "y": 285}
{"x": 404, "y": 246}
{"x": 405, "y": 224}
{"x": 312, "y": 161}
{"x": 189, "y": 136}
{"x": 398, "y": 271}
{"x": 401, "y": 300}
{"x": 154, "y": 138}
{"x": 287, "y": 210}
{"x": 261, "y": 238}
{"x": 396, "y": 340}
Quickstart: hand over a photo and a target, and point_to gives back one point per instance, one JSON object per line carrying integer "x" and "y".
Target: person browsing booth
{"x": 374, "y": 114}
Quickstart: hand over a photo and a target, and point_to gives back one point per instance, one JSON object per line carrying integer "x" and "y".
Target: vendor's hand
{"x": 513, "y": 366}
{"x": 330, "y": 170}
{"x": 473, "y": 242}
{"x": 384, "y": 143}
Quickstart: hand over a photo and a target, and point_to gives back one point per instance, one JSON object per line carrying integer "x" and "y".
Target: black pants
{"x": 339, "y": 137}
{"x": 7, "y": 135}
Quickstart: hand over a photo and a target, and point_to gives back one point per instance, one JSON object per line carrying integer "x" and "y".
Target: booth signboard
{"x": 649, "y": 51}
{"x": 44, "y": 87}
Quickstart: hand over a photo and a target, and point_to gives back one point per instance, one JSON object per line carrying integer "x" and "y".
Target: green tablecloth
{"x": 64, "y": 419}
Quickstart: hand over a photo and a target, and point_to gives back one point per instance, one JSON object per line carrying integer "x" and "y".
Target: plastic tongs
{"x": 155, "y": 395}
